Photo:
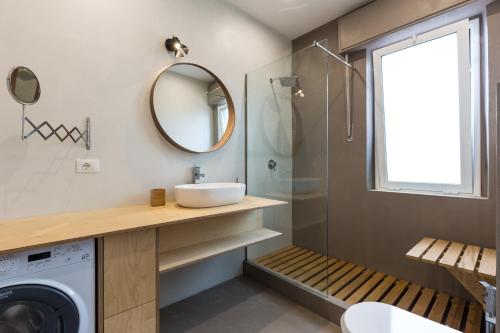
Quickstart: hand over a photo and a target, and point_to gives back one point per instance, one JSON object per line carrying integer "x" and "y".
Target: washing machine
{"x": 49, "y": 290}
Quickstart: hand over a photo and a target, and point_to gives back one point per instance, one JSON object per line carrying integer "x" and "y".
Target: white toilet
{"x": 371, "y": 317}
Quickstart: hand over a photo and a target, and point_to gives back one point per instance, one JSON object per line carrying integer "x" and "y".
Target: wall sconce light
{"x": 174, "y": 45}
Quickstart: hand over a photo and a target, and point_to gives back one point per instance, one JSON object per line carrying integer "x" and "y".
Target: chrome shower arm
{"x": 317, "y": 44}
{"x": 349, "y": 111}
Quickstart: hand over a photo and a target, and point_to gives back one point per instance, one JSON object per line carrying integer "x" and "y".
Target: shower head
{"x": 290, "y": 82}
{"x": 287, "y": 81}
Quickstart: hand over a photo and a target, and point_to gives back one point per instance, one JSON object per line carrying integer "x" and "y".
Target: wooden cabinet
{"x": 129, "y": 279}
{"x": 128, "y": 260}
{"x": 141, "y": 319}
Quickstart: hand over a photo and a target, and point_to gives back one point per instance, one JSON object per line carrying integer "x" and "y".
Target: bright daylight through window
{"x": 427, "y": 112}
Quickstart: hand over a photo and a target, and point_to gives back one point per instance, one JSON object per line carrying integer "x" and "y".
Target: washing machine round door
{"x": 37, "y": 309}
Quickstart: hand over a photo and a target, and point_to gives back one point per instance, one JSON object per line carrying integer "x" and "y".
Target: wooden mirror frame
{"x": 230, "y": 107}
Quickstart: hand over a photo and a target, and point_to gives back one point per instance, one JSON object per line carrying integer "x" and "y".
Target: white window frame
{"x": 469, "y": 107}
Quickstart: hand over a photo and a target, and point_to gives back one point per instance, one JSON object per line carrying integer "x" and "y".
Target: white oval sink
{"x": 209, "y": 194}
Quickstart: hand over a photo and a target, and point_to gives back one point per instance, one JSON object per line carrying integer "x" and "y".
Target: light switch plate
{"x": 87, "y": 166}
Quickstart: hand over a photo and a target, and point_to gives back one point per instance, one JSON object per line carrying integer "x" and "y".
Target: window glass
{"x": 421, "y": 113}
{"x": 426, "y": 94}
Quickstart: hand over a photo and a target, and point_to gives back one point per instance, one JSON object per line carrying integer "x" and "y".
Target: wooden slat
{"x": 354, "y": 285}
{"x": 381, "y": 289}
{"x": 293, "y": 261}
{"x": 325, "y": 272}
{"x": 279, "y": 256}
{"x": 330, "y": 278}
{"x": 439, "y": 307}
{"x": 474, "y": 317}
{"x": 423, "y": 302}
{"x": 488, "y": 263}
{"x": 345, "y": 280}
{"x": 418, "y": 250}
{"x": 469, "y": 258}
{"x": 435, "y": 251}
{"x": 317, "y": 270}
{"x": 300, "y": 263}
{"x": 307, "y": 267}
{"x": 395, "y": 293}
{"x": 275, "y": 253}
{"x": 365, "y": 289}
{"x": 285, "y": 259}
{"x": 456, "y": 313}
{"x": 452, "y": 255}
{"x": 409, "y": 297}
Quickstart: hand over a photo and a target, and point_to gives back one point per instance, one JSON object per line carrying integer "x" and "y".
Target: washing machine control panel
{"x": 32, "y": 261}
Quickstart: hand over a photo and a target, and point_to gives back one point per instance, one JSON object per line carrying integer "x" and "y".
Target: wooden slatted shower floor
{"x": 353, "y": 284}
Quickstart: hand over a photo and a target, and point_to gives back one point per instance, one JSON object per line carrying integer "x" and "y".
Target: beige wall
{"x": 376, "y": 229}
{"x": 99, "y": 58}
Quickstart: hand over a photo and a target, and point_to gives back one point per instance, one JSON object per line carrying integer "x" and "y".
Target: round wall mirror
{"x": 23, "y": 85}
{"x": 192, "y": 108}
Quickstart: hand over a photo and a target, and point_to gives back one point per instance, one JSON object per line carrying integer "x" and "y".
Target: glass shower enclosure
{"x": 287, "y": 160}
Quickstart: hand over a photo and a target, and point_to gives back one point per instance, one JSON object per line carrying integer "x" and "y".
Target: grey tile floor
{"x": 242, "y": 306}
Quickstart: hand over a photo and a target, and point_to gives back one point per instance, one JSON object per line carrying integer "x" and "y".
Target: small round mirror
{"x": 192, "y": 108}
{"x": 23, "y": 85}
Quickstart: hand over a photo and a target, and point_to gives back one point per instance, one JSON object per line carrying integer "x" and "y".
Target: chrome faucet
{"x": 197, "y": 175}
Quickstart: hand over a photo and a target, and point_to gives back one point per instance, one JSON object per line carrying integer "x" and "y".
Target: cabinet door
{"x": 130, "y": 270}
{"x": 141, "y": 319}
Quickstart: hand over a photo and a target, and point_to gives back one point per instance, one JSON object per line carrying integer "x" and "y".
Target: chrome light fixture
{"x": 174, "y": 45}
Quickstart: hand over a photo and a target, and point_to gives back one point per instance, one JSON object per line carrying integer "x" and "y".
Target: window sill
{"x": 434, "y": 194}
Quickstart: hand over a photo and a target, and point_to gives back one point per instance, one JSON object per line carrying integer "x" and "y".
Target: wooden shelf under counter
{"x": 184, "y": 244}
{"x": 177, "y": 258}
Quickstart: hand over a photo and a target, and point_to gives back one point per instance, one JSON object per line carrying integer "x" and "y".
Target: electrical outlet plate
{"x": 87, "y": 166}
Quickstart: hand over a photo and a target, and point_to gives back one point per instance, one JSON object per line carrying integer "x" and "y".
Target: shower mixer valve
{"x": 271, "y": 165}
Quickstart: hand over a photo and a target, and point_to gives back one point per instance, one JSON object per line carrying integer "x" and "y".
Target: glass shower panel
{"x": 287, "y": 159}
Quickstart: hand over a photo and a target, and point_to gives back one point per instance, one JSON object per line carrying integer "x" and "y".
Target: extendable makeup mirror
{"x": 24, "y": 87}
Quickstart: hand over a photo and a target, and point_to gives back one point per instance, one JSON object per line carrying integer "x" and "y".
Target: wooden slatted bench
{"x": 352, "y": 284}
{"x": 469, "y": 264}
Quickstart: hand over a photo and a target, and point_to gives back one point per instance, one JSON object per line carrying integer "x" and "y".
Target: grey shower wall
{"x": 376, "y": 229}
{"x": 310, "y": 148}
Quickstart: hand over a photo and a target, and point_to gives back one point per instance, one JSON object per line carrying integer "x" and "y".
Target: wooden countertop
{"x": 24, "y": 233}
